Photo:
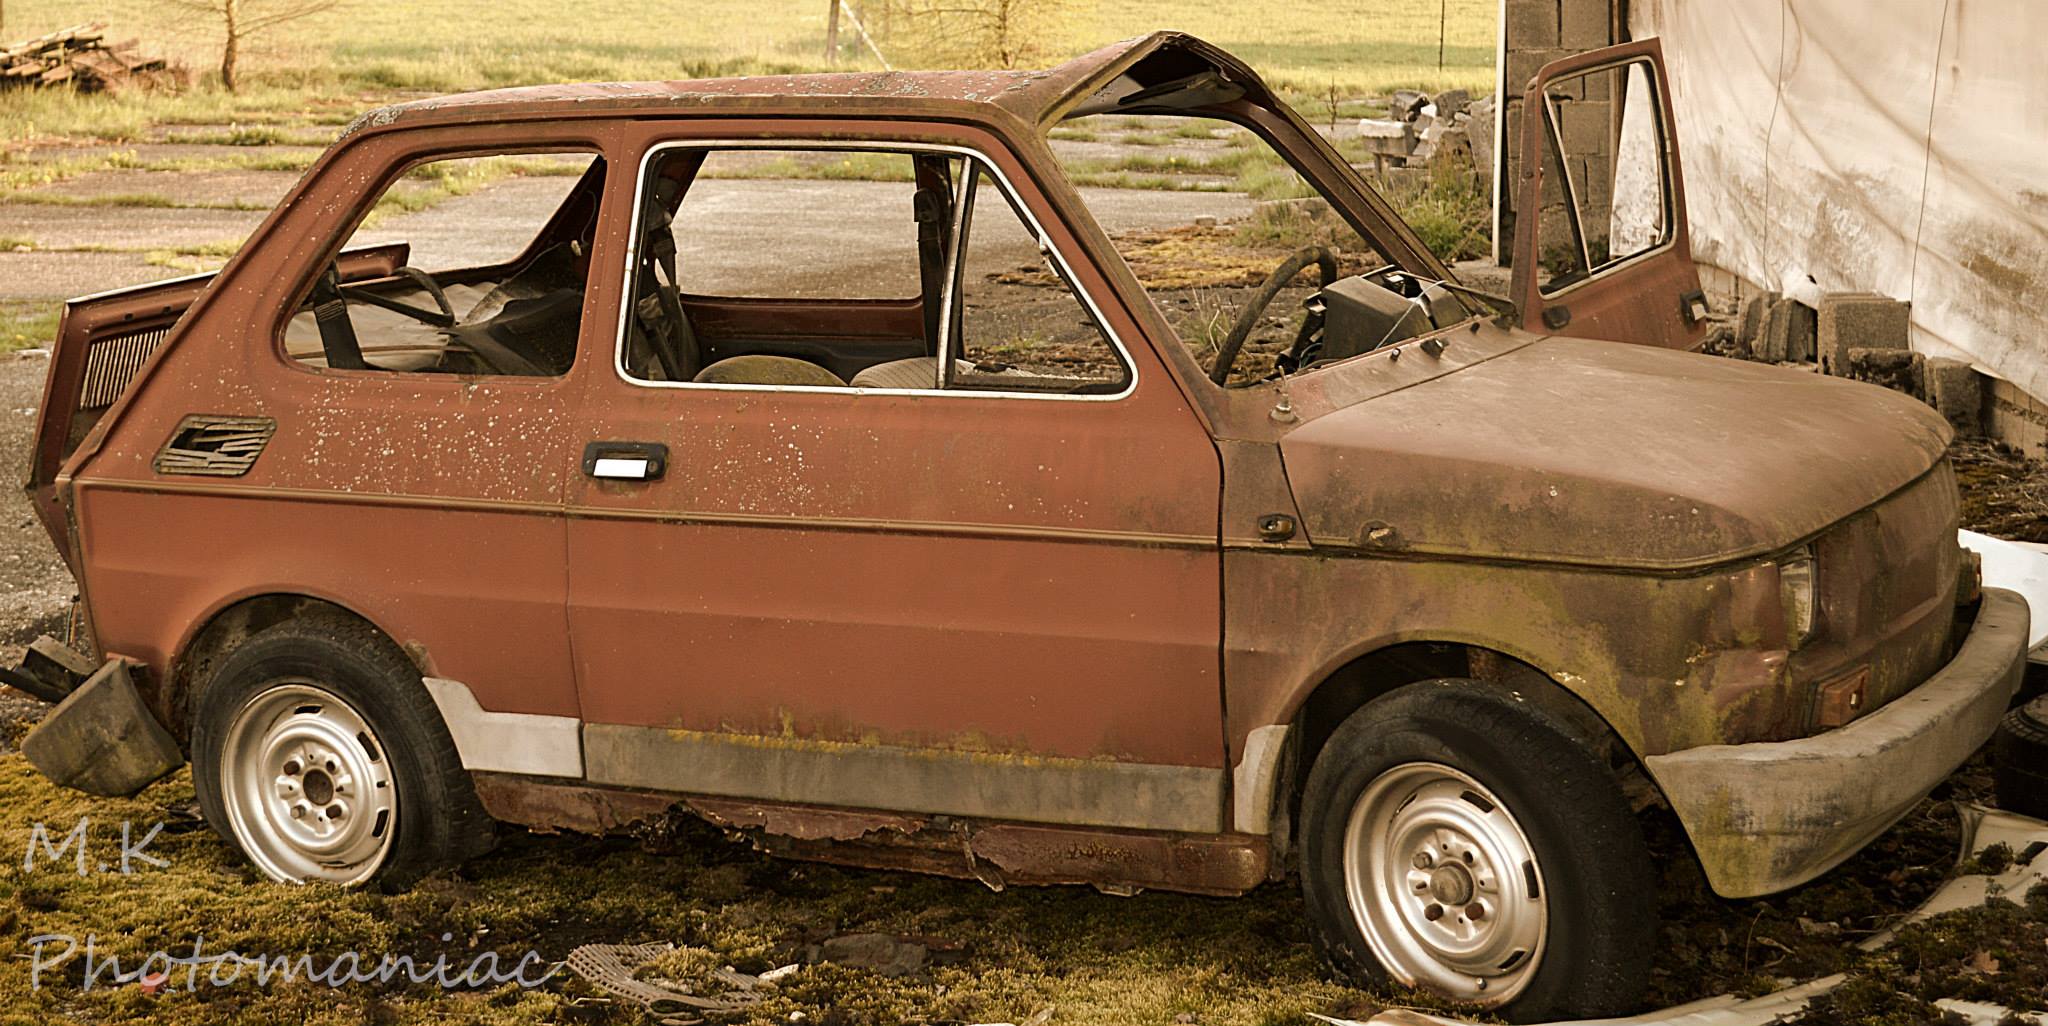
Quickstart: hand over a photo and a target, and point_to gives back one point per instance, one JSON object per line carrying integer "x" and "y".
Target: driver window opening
{"x": 1251, "y": 264}
{"x": 1606, "y": 188}
{"x": 468, "y": 265}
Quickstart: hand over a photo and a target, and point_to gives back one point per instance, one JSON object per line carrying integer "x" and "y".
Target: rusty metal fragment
{"x": 548, "y": 807}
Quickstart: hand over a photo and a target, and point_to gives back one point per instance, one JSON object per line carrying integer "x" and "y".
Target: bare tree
{"x": 241, "y": 19}
{"x": 978, "y": 33}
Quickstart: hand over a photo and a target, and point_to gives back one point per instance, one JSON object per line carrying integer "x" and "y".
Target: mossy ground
{"x": 1094, "y": 958}
{"x": 1152, "y": 959}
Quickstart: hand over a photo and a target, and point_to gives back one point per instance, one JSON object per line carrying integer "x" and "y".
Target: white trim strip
{"x": 502, "y": 742}
{"x": 1255, "y": 779}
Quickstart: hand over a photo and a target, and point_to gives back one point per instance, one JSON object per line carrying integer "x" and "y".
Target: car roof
{"x": 1039, "y": 96}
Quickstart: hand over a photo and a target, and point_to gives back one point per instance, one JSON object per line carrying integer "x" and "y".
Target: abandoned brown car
{"x": 814, "y": 462}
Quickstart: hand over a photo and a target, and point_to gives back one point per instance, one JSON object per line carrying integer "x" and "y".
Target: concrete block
{"x": 1387, "y": 138}
{"x": 1600, "y": 85}
{"x": 1788, "y": 332}
{"x": 1479, "y": 133}
{"x": 1751, "y": 326}
{"x": 2015, "y": 418}
{"x": 1532, "y": 24}
{"x": 1859, "y": 320}
{"x": 1583, "y": 24}
{"x": 1900, "y": 370}
{"x": 1451, "y": 101}
{"x": 1596, "y": 189}
{"x": 1956, "y": 391}
{"x": 1586, "y": 126}
{"x": 1524, "y": 64}
{"x": 102, "y": 739}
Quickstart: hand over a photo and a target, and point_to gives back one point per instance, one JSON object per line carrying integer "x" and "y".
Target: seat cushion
{"x": 916, "y": 372}
{"x": 762, "y": 369}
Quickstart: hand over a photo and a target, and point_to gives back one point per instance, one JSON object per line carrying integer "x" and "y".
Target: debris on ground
{"x": 878, "y": 953}
{"x": 1420, "y": 130}
{"x": 674, "y": 978}
{"x": 2005, "y": 494}
{"x": 80, "y": 58}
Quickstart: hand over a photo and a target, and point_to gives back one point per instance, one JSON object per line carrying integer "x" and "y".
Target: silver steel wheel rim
{"x": 1444, "y": 885}
{"x": 308, "y": 788}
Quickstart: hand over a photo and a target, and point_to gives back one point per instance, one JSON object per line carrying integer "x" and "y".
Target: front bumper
{"x": 1764, "y": 817}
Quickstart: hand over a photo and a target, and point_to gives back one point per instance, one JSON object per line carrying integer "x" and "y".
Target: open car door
{"x": 1601, "y": 247}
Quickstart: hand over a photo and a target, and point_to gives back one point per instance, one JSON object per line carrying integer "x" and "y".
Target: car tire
{"x": 1458, "y": 839}
{"x": 317, "y": 751}
{"x": 2019, "y": 759}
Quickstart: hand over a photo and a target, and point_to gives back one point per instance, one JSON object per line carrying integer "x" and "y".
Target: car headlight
{"x": 1796, "y": 596}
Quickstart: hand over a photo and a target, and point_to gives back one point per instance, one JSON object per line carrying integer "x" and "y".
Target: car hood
{"x": 1604, "y": 454}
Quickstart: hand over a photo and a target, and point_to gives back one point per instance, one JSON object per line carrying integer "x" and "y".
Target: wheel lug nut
{"x": 291, "y": 769}
{"x": 334, "y": 812}
{"x": 1433, "y": 913}
{"x": 1423, "y": 861}
{"x": 1475, "y": 911}
{"x": 298, "y": 812}
{"x": 1468, "y": 858}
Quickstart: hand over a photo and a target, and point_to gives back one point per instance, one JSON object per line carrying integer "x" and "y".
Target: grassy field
{"x": 336, "y": 62}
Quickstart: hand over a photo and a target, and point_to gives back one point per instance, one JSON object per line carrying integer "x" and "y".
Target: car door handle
{"x": 625, "y": 461}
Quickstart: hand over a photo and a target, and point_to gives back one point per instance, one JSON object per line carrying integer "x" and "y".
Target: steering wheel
{"x": 1248, "y": 318}
{"x": 443, "y": 318}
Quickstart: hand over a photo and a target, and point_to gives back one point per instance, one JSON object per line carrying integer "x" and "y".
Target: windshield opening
{"x": 1244, "y": 256}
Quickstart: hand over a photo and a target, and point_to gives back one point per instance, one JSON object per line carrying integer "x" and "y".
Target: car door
{"x": 999, "y": 605}
{"x": 407, "y": 483}
{"x": 1601, "y": 244}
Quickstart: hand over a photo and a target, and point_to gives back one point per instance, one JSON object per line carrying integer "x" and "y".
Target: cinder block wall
{"x": 1534, "y": 33}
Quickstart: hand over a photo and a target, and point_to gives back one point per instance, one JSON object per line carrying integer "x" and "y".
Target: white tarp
{"x": 1889, "y": 146}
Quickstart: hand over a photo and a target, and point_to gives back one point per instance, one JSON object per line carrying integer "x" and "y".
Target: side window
{"x": 849, "y": 268}
{"x": 791, "y": 224}
{"x": 466, "y": 265}
{"x": 1606, "y": 188}
{"x": 1023, "y": 327}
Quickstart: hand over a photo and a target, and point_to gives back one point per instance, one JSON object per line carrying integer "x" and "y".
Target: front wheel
{"x": 1459, "y": 840}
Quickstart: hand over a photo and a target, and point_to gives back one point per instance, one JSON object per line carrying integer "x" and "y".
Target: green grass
{"x": 252, "y": 135}
{"x": 125, "y": 199}
{"x": 205, "y": 256}
{"x": 854, "y": 167}
{"x": 25, "y": 325}
{"x": 330, "y": 65}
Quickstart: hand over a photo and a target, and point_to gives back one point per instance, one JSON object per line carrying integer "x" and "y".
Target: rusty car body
{"x": 1101, "y": 637}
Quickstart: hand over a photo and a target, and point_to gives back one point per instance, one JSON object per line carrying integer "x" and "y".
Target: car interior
{"x": 710, "y": 305}
{"x": 735, "y": 316}
{"x": 1378, "y": 307}
{"x": 518, "y": 316}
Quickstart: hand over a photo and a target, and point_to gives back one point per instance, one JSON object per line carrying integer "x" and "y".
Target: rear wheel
{"x": 316, "y": 750}
{"x": 1458, "y": 840}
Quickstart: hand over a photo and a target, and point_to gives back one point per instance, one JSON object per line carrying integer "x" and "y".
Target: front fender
{"x": 1669, "y": 662}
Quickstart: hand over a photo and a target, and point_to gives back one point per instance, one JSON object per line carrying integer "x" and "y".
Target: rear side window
{"x": 469, "y": 265}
